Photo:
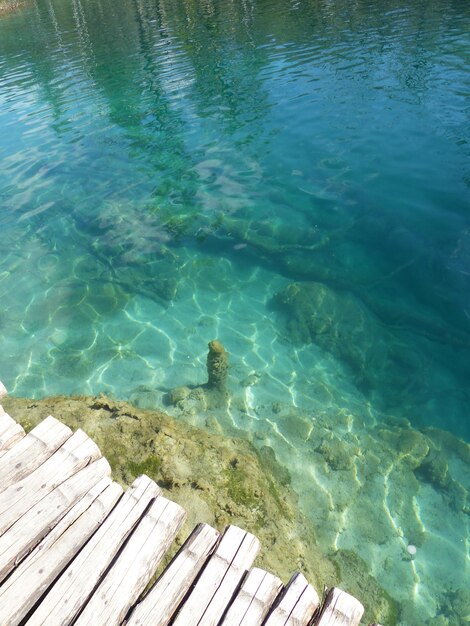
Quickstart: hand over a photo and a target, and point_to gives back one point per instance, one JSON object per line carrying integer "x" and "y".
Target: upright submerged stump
{"x": 217, "y": 366}
{"x": 217, "y": 371}
{"x": 210, "y": 395}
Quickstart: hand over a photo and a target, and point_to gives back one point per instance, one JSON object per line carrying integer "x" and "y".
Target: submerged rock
{"x": 338, "y": 454}
{"x": 8, "y": 6}
{"x": 382, "y": 493}
{"x": 343, "y": 326}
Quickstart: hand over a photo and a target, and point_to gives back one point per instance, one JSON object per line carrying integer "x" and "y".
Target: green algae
{"x": 150, "y": 466}
{"x": 341, "y": 324}
{"x": 354, "y": 575}
{"x": 243, "y": 493}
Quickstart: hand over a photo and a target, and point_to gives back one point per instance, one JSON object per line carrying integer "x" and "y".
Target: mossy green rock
{"x": 338, "y": 454}
{"x": 352, "y": 570}
{"x": 434, "y": 469}
{"x": 339, "y": 323}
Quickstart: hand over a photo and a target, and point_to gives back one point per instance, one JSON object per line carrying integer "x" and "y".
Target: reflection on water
{"x": 289, "y": 177}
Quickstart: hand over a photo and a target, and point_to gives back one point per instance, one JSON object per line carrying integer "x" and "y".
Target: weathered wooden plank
{"x": 21, "y": 591}
{"x": 134, "y": 566}
{"x": 17, "y": 499}
{"x": 340, "y": 609}
{"x": 32, "y": 450}
{"x": 253, "y": 601}
{"x": 305, "y": 608}
{"x": 219, "y": 580}
{"x": 296, "y": 605}
{"x": 160, "y": 604}
{"x": 10, "y": 431}
{"x": 76, "y": 583}
{"x": 27, "y": 532}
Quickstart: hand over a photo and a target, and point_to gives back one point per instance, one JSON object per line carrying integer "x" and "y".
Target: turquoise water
{"x": 290, "y": 177}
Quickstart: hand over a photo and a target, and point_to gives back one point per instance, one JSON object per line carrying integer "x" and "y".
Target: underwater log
{"x": 217, "y": 365}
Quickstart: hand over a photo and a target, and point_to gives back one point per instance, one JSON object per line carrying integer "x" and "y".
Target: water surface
{"x": 170, "y": 170}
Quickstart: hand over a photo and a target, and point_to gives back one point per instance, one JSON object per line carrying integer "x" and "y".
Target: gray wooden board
{"x": 160, "y": 604}
{"x": 74, "y": 586}
{"x": 32, "y": 450}
{"x": 254, "y": 599}
{"x": 34, "y": 575}
{"x": 17, "y": 499}
{"x": 340, "y": 609}
{"x": 134, "y": 566}
{"x": 296, "y": 605}
{"x": 22, "y": 536}
{"x": 219, "y": 580}
{"x": 10, "y": 431}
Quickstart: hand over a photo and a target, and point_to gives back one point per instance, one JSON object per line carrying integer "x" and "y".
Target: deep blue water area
{"x": 290, "y": 177}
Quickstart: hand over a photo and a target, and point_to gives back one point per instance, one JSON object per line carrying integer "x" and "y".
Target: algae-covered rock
{"x": 354, "y": 575}
{"x": 456, "y": 607}
{"x": 316, "y": 313}
{"x": 8, "y": 6}
{"x": 178, "y": 395}
{"x": 342, "y": 325}
{"x": 338, "y": 454}
{"x": 439, "y": 620}
{"x": 434, "y": 469}
{"x": 411, "y": 445}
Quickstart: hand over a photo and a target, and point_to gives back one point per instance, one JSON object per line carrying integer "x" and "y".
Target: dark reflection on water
{"x": 331, "y": 138}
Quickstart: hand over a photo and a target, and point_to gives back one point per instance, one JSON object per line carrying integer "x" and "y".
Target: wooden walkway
{"x": 76, "y": 549}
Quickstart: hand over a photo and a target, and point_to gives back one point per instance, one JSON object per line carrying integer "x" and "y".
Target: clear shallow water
{"x": 167, "y": 168}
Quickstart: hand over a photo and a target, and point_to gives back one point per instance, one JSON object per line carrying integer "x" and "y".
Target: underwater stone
{"x": 337, "y": 454}
{"x": 354, "y": 574}
{"x": 412, "y": 445}
{"x": 411, "y": 549}
{"x": 341, "y": 324}
{"x": 456, "y": 607}
{"x": 217, "y": 365}
{"x": 461, "y": 603}
{"x": 145, "y": 398}
{"x": 190, "y": 401}
{"x": 177, "y": 395}
{"x": 439, "y": 620}
{"x": 434, "y": 469}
